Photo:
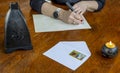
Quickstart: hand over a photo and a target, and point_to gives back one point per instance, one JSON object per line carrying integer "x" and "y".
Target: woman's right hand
{"x": 70, "y": 17}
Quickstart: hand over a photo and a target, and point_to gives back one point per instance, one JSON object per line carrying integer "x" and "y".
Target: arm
{"x": 48, "y": 9}
{"x": 91, "y": 6}
{"x": 101, "y": 4}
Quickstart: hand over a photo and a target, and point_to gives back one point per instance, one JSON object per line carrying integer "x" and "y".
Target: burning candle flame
{"x": 110, "y": 44}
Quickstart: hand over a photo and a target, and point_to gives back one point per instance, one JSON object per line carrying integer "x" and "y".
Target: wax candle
{"x": 109, "y": 50}
{"x": 110, "y": 45}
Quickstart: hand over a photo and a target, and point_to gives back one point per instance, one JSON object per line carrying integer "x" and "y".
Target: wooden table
{"x": 105, "y": 27}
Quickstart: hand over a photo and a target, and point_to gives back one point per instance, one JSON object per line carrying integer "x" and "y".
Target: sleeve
{"x": 101, "y": 4}
{"x": 37, "y": 4}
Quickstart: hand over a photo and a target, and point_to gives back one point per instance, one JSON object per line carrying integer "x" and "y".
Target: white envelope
{"x": 61, "y": 53}
{"x": 44, "y": 23}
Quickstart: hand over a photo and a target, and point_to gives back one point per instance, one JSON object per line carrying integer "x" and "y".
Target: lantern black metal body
{"x": 16, "y": 32}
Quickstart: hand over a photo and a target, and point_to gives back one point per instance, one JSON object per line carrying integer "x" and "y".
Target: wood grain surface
{"x": 105, "y": 27}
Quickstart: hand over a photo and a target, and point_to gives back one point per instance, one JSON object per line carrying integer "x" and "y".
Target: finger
{"x": 78, "y": 17}
{"x": 75, "y": 6}
{"x": 77, "y": 9}
{"x": 79, "y": 12}
{"x": 74, "y": 20}
{"x": 71, "y": 19}
{"x": 82, "y": 12}
{"x": 77, "y": 22}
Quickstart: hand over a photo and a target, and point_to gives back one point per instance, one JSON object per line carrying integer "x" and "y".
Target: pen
{"x": 70, "y": 6}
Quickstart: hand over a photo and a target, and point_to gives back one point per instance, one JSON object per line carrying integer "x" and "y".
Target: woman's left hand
{"x": 80, "y": 7}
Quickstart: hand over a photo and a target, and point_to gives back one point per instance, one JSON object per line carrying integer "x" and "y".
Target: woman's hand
{"x": 80, "y": 7}
{"x": 75, "y": 18}
{"x": 70, "y": 17}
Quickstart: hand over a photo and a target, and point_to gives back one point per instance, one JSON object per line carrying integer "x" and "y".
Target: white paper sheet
{"x": 61, "y": 53}
{"x": 44, "y": 23}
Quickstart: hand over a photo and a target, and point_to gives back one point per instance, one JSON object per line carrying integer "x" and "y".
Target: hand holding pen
{"x": 76, "y": 16}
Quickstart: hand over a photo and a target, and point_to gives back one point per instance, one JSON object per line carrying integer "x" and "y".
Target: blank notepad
{"x": 44, "y": 23}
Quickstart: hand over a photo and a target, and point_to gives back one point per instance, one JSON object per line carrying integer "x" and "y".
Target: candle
{"x": 110, "y": 45}
{"x": 109, "y": 50}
